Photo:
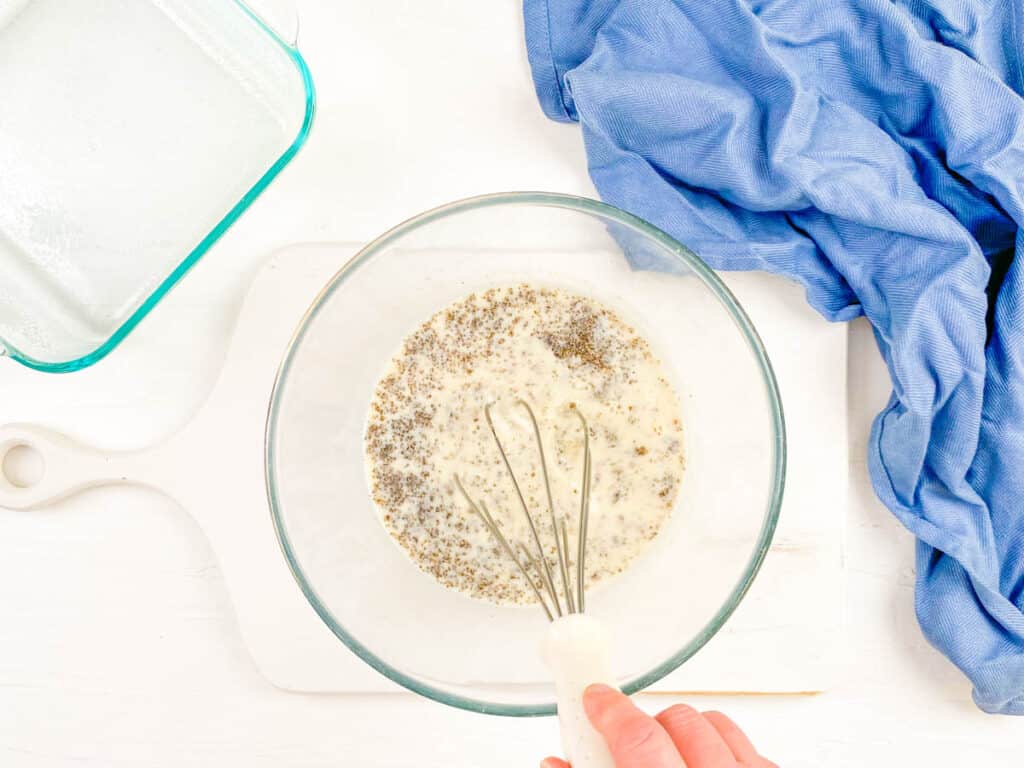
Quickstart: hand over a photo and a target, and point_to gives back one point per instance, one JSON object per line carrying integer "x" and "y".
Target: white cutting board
{"x": 783, "y": 638}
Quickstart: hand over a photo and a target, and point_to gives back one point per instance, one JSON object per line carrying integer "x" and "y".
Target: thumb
{"x": 635, "y": 739}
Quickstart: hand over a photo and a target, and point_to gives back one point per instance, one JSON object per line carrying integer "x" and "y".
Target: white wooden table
{"x": 117, "y": 642}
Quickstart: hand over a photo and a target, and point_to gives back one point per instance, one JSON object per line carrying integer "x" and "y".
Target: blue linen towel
{"x": 874, "y": 151}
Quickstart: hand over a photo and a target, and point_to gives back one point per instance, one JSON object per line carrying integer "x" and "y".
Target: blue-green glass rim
{"x": 207, "y": 242}
{"x": 710, "y": 280}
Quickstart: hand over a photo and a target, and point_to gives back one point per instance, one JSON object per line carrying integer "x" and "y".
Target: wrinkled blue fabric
{"x": 874, "y": 151}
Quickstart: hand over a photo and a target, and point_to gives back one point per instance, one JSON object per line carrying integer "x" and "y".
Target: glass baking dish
{"x": 132, "y": 134}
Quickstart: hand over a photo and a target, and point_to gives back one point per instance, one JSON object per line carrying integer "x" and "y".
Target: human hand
{"x": 678, "y": 737}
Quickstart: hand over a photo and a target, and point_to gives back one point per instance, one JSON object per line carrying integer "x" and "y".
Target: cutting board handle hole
{"x": 22, "y": 466}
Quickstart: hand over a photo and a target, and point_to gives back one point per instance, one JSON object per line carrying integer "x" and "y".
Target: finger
{"x": 696, "y": 739}
{"x": 736, "y": 740}
{"x": 633, "y": 737}
{"x": 553, "y": 762}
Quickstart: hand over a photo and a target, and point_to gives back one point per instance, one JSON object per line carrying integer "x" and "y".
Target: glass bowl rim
{"x": 710, "y": 281}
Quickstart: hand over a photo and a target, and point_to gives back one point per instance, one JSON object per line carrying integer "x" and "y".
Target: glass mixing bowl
{"x": 441, "y": 643}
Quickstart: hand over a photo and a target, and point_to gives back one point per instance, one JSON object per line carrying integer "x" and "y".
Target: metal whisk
{"x": 538, "y": 562}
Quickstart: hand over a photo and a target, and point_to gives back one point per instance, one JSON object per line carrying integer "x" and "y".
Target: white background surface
{"x": 117, "y": 642}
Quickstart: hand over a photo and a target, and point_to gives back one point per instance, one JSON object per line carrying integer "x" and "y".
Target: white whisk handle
{"x": 577, "y": 653}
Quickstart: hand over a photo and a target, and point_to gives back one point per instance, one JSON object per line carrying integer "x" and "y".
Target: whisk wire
{"x": 545, "y": 576}
{"x": 539, "y": 562}
{"x": 581, "y": 539}
{"x": 561, "y": 544}
{"x": 485, "y": 515}
{"x": 563, "y": 539}
{"x": 526, "y": 509}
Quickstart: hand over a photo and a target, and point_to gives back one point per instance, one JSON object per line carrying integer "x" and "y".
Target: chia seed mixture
{"x": 558, "y": 351}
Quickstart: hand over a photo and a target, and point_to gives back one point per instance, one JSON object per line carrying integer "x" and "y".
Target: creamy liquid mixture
{"x": 558, "y": 351}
